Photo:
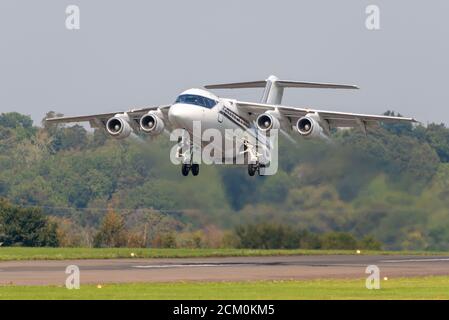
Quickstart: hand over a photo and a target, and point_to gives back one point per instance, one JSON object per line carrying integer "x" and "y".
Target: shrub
{"x": 370, "y": 243}
{"x": 165, "y": 240}
{"x": 26, "y": 227}
{"x": 338, "y": 240}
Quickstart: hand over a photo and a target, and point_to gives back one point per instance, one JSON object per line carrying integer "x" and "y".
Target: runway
{"x": 220, "y": 269}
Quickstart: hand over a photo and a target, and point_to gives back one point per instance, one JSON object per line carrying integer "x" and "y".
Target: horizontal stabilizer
{"x": 281, "y": 84}
{"x": 238, "y": 85}
{"x": 274, "y": 87}
{"x": 314, "y": 85}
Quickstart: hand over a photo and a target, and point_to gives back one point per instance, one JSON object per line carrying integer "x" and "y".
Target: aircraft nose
{"x": 184, "y": 115}
{"x": 179, "y": 115}
{"x": 175, "y": 114}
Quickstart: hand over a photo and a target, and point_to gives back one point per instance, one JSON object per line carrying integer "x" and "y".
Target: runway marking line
{"x": 243, "y": 265}
{"x": 417, "y": 260}
{"x": 185, "y": 265}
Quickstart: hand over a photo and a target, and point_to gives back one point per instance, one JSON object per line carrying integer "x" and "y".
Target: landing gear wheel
{"x": 252, "y": 169}
{"x": 185, "y": 169}
{"x": 195, "y": 169}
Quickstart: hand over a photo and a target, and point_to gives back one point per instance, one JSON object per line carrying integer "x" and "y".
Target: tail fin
{"x": 274, "y": 88}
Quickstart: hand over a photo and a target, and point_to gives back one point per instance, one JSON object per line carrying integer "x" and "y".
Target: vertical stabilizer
{"x": 273, "y": 92}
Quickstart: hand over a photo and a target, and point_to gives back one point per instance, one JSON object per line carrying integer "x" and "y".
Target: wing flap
{"x": 333, "y": 115}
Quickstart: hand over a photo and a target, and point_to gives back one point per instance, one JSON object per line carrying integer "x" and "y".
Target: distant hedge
{"x": 278, "y": 236}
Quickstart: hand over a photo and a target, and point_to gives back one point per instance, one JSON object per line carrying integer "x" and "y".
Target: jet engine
{"x": 310, "y": 126}
{"x": 119, "y": 127}
{"x": 151, "y": 124}
{"x": 266, "y": 122}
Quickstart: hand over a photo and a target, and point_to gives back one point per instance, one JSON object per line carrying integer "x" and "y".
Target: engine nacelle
{"x": 310, "y": 126}
{"x": 152, "y": 124}
{"x": 119, "y": 127}
{"x": 266, "y": 122}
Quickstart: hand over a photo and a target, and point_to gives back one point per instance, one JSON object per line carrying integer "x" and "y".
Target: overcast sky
{"x": 136, "y": 53}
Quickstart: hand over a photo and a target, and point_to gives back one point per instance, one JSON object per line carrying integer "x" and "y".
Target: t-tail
{"x": 274, "y": 87}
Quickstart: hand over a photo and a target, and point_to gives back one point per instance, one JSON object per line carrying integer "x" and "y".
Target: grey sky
{"x": 136, "y": 53}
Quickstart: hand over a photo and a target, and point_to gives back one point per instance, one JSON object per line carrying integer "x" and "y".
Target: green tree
{"x": 14, "y": 120}
{"x": 437, "y": 135}
{"x": 112, "y": 231}
{"x": 25, "y": 227}
{"x": 339, "y": 240}
{"x": 74, "y": 137}
{"x": 370, "y": 243}
{"x": 22, "y": 125}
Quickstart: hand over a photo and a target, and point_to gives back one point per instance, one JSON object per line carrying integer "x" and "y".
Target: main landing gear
{"x": 252, "y": 169}
{"x": 252, "y": 157}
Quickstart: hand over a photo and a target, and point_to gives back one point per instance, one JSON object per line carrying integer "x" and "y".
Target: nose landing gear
{"x": 195, "y": 169}
{"x": 187, "y": 167}
{"x": 187, "y": 161}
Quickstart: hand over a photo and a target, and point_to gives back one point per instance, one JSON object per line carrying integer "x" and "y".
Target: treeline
{"x": 30, "y": 227}
{"x": 390, "y": 187}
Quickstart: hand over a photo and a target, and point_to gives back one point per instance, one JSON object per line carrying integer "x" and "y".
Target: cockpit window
{"x": 196, "y": 100}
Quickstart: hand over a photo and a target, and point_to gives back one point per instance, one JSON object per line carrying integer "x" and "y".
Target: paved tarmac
{"x": 220, "y": 269}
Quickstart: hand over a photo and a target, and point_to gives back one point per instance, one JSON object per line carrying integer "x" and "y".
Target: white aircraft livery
{"x": 198, "y": 111}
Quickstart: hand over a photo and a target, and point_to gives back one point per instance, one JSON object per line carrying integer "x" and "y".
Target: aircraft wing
{"x": 334, "y": 119}
{"x": 96, "y": 120}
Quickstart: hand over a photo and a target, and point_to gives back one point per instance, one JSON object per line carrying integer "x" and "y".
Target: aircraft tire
{"x": 195, "y": 169}
{"x": 252, "y": 168}
{"x": 185, "y": 169}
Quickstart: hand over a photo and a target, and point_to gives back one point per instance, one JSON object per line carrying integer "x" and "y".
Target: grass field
{"x": 20, "y": 253}
{"x": 404, "y": 288}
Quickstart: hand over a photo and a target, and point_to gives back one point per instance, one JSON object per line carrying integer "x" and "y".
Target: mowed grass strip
{"x": 403, "y": 288}
{"x": 21, "y": 253}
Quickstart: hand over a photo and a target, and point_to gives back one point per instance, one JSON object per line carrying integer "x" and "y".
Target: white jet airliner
{"x": 199, "y": 105}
